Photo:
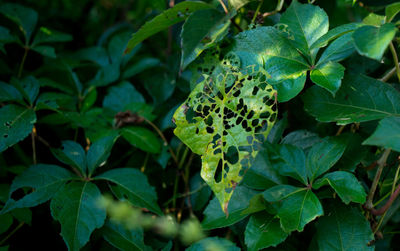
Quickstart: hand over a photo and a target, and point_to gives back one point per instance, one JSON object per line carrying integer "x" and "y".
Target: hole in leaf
{"x": 218, "y": 172}
{"x": 232, "y": 155}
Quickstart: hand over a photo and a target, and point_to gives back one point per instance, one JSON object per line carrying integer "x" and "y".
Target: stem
{"x": 388, "y": 203}
{"x": 21, "y": 66}
{"x": 177, "y": 177}
{"x": 164, "y": 139}
{"x": 395, "y": 59}
{"x": 33, "y": 135}
{"x": 340, "y": 130}
{"x": 11, "y": 233}
{"x": 388, "y": 75}
{"x": 381, "y": 164}
{"x": 223, "y": 6}
{"x": 257, "y": 11}
{"x": 277, "y": 9}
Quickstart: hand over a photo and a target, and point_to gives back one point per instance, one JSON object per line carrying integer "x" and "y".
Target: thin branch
{"x": 381, "y": 164}
{"x": 223, "y": 6}
{"x": 395, "y": 59}
{"x": 388, "y": 75}
{"x": 257, "y": 11}
{"x": 388, "y": 203}
{"x": 11, "y": 233}
{"x": 33, "y": 135}
{"x": 340, "y": 130}
{"x": 21, "y": 66}
{"x": 164, "y": 139}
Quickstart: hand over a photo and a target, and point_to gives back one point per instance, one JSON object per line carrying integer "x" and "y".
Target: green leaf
{"x": 71, "y": 153}
{"x": 323, "y": 156}
{"x": 345, "y": 184}
{"x": 263, "y": 230}
{"x": 335, "y": 33}
{"x": 202, "y": 195}
{"x": 28, "y": 86}
{"x": 53, "y": 100}
{"x": 302, "y": 139}
{"x": 141, "y": 138}
{"x": 289, "y": 161}
{"x": 353, "y": 154}
{"x": 100, "y": 150}
{"x": 9, "y": 93}
{"x": 45, "y": 180}
{"x": 6, "y": 221}
{"x": 122, "y": 238}
{"x": 197, "y": 35}
{"x": 280, "y": 192}
{"x": 371, "y": 41}
{"x": 121, "y": 95}
{"x": 374, "y": 19}
{"x": 45, "y": 50}
{"x": 171, "y": 16}
{"x": 215, "y": 218}
{"x": 359, "y": 99}
{"x": 391, "y": 11}
{"x": 22, "y": 215}
{"x": 140, "y": 66}
{"x": 306, "y": 23}
{"x": 290, "y": 87}
{"x": 160, "y": 86}
{"x": 298, "y": 208}
{"x": 344, "y": 228}
{"x": 16, "y": 123}
{"x": 213, "y": 243}
{"x": 25, "y": 18}
{"x": 135, "y": 186}
{"x": 75, "y": 207}
{"x": 262, "y": 175}
{"x": 269, "y": 47}
{"x": 387, "y": 134}
{"x": 46, "y": 35}
{"x": 237, "y": 4}
{"x": 328, "y": 76}
{"x": 338, "y": 50}
{"x": 225, "y": 119}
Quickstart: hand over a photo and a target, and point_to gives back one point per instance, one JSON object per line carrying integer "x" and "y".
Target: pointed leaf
{"x": 6, "y": 221}
{"x": 135, "y": 186}
{"x": 391, "y": 11}
{"x": 338, "y": 50}
{"x": 28, "y": 86}
{"x": 387, "y": 134}
{"x": 197, "y": 35}
{"x": 214, "y": 217}
{"x": 323, "y": 156}
{"x": 75, "y": 207}
{"x": 298, "y": 209}
{"x": 171, "y": 16}
{"x": 45, "y": 180}
{"x": 16, "y": 123}
{"x": 345, "y": 184}
{"x": 360, "y": 99}
{"x": 24, "y": 17}
{"x": 289, "y": 161}
{"x": 302, "y": 139}
{"x": 9, "y": 93}
{"x": 371, "y": 41}
{"x": 280, "y": 192}
{"x": 45, "y": 50}
{"x": 142, "y": 138}
{"x": 306, "y": 24}
{"x": 122, "y": 238}
{"x": 328, "y": 76}
{"x": 335, "y": 33}
{"x": 71, "y": 153}
{"x": 344, "y": 228}
{"x": 100, "y": 150}
{"x": 263, "y": 230}
{"x": 225, "y": 119}
{"x": 237, "y": 4}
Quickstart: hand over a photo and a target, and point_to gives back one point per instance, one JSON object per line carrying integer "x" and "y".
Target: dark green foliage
{"x": 191, "y": 125}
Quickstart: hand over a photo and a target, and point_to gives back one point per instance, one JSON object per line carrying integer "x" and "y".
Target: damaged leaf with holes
{"x": 226, "y": 118}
